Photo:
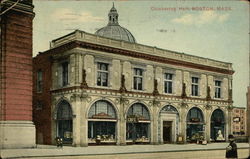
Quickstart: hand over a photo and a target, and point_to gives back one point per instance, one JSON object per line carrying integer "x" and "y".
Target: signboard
{"x": 236, "y": 119}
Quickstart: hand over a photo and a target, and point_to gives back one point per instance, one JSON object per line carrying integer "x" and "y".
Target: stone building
{"x": 239, "y": 121}
{"x": 16, "y": 18}
{"x": 105, "y": 86}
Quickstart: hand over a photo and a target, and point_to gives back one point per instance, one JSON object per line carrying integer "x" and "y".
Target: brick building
{"x": 239, "y": 121}
{"x": 107, "y": 87}
{"x": 16, "y": 74}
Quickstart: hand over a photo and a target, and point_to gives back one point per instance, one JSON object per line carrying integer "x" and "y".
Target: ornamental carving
{"x": 84, "y": 83}
{"x": 184, "y": 94}
{"x": 155, "y": 102}
{"x": 123, "y": 88}
{"x": 230, "y": 108}
{"x": 208, "y": 93}
{"x": 122, "y": 100}
{"x": 184, "y": 105}
{"x": 208, "y": 106}
{"x": 155, "y": 92}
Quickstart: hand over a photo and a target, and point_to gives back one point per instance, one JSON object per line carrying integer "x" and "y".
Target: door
{"x": 167, "y": 131}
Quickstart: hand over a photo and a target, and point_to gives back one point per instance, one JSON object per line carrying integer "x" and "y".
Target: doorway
{"x": 167, "y": 131}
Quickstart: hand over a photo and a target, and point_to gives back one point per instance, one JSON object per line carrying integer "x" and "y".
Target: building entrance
{"x": 167, "y": 131}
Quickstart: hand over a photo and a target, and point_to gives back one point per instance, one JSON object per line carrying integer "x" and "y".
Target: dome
{"x": 114, "y": 30}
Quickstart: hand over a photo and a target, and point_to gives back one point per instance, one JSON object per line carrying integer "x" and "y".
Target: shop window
{"x": 138, "y": 79}
{"x": 65, "y": 73}
{"x": 195, "y": 86}
{"x": 64, "y": 121}
{"x": 138, "y": 123}
{"x": 102, "y": 74}
{"x": 39, "y": 84}
{"x": 102, "y": 122}
{"x": 168, "y": 83}
{"x": 217, "y": 127}
{"x": 195, "y": 125}
{"x": 217, "y": 89}
{"x": 104, "y": 130}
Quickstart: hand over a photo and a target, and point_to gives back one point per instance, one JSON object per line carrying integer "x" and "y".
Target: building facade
{"x": 239, "y": 121}
{"x": 107, "y": 87}
{"x": 16, "y": 74}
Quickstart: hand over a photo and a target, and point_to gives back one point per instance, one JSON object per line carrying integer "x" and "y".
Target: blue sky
{"x": 219, "y": 31}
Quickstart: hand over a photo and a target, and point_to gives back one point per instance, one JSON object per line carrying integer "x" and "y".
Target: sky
{"x": 216, "y": 29}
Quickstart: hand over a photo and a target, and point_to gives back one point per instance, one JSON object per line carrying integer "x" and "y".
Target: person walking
{"x": 231, "y": 149}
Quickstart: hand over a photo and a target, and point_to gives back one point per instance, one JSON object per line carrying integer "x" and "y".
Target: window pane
{"x": 65, "y": 73}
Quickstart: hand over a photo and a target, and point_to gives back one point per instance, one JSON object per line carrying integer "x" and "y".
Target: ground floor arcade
{"x": 88, "y": 121}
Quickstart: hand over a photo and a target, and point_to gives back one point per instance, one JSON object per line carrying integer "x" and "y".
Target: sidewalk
{"x": 52, "y": 151}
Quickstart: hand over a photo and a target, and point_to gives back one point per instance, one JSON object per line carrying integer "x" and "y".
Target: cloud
{"x": 68, "y": 15}
{"x": 205, "y": 17}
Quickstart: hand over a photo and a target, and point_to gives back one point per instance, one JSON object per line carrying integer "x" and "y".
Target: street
{"x": 209, "y": 154}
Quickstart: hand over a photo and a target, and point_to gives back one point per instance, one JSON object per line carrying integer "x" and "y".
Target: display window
{"x": 102, "y": 123}
{"x": 138, "y": 124}
{"x": 217, "y": 126}
{"x": 195, "y": 125}
{"x": 64, "y": 121}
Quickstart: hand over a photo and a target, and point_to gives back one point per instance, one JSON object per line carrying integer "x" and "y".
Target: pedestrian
{"x": 59, "y": 142}
{"x": 231, "y": 149}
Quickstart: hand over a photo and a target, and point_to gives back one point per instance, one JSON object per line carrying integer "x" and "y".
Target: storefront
{"x": 168, "y": 124}
{"x": 102, "y": 121}
{"x": 64, "y": 121}
{"x": 195, "y": 125}
{"x": 138, "y": 124}
{"x": 217, "y": 126}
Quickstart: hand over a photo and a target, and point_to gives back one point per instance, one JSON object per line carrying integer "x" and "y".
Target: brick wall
{"x": 16, "y": 66}
{"x": 42, "y": 114}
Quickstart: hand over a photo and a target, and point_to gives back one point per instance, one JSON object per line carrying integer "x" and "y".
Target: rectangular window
{"x": 138, "y": 78}
{"x": 65, "y": 73}
{"x": 39, "y": 81}
{"x": 195, "y": 86}
{"x": 217, "y": 89}
{"x": 168, "y": 83}
{"x": 102, "y": 74}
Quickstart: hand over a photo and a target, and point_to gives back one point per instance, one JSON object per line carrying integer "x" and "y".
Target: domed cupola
{"x": 114, "y": 30}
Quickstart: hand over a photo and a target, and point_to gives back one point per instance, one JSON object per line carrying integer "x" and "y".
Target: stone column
{"x": 84, "y": 122}
{"x": 208, "y": 124}
{"x": 154, "y": 122}
{"x": 229, "y": 122}
{"x": 122, "y": 121}
{"x": 76, "y": 104}
{"x": 183, "y": 123}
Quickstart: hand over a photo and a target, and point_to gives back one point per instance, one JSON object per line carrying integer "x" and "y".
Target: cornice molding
{"x": 112, "y": 50}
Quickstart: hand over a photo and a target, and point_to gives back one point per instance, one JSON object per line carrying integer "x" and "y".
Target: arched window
{"x": 138, "y": 123}
{"x": 195, "y": 125}
{"x": 64, "y": 121}
{"x": 217, "y": 126}
{"x": 139, "y": 110}
{"x": 64, "y": 111}
{"x": 102, "y": 122}
{"x": 102, "y": 109}
{"x": 195, "y": 115}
